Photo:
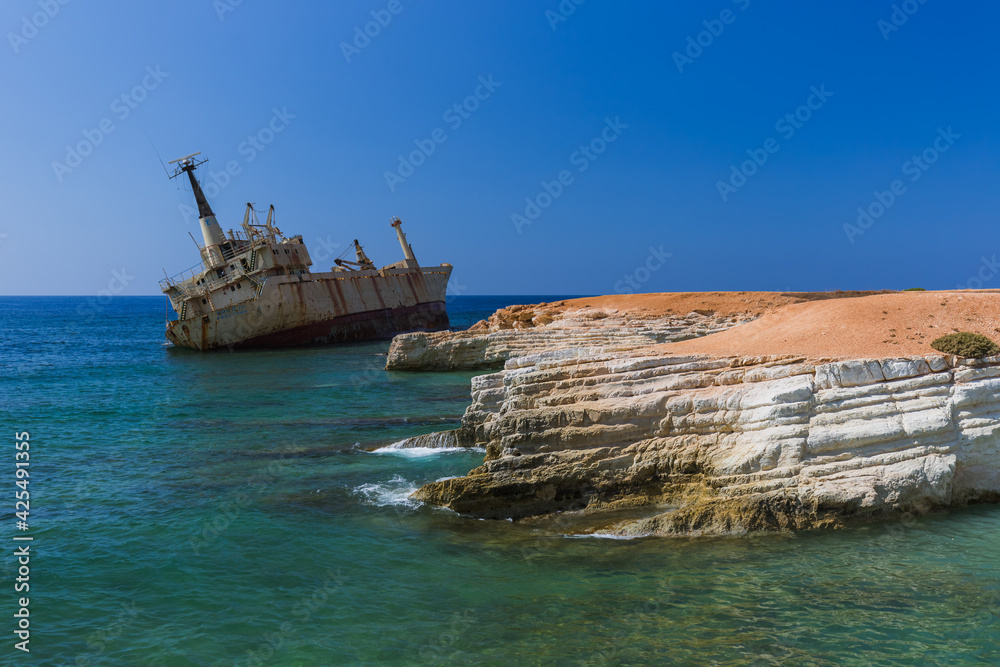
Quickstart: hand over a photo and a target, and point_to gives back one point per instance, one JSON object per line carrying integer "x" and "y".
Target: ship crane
{"x": 363, "y": 262}
{"x": 410, "y": 261}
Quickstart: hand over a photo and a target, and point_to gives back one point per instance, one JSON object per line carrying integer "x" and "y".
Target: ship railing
{"x": 209, "y": 285}
{"x": 215, "y": 283}
{"x": 237, "y": 235}
{"x": 236, "y": 247}
{"x": 237, "y": 238}
{"x": 187, "y": 274}
{"x": 232, "y": 235}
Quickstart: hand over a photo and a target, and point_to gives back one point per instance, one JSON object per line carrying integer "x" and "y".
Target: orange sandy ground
{"x": 721, "y": 303}
{"x": 823, "y": 325}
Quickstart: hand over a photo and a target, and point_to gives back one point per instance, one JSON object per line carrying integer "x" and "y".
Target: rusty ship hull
{"x": 256, "y": 288}
{"x": 319, "y": 308}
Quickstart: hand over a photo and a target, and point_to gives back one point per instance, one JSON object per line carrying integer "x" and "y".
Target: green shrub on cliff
{"x": 966, "y": 344}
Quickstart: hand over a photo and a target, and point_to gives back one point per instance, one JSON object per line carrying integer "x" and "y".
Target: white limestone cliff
{"x": 636, "y": 441}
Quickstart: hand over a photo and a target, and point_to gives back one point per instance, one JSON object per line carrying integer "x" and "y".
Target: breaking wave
{"x": 425, "y": 445}
{"x": 417, "y": 452}
{"x": 395, "y": 492}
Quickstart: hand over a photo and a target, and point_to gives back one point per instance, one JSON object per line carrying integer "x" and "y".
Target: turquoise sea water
{"x": 225, "y": 509}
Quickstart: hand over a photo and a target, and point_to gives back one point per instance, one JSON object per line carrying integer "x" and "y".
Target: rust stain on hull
{"x": 355, "y": 327}
{"x": 327, "y": 308}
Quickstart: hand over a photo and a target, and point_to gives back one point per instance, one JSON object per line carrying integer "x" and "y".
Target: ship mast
{"x": 410, "y": 261}
{"x": 210, "y": 230}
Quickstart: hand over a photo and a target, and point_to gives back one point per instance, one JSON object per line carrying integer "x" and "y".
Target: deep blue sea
{"x": 228, "y": 509}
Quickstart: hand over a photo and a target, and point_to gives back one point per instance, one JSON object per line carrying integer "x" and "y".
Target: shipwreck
{"x": 255, "y": 288}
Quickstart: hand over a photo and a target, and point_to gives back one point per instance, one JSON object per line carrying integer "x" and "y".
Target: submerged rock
{"x": 436, "y": 440}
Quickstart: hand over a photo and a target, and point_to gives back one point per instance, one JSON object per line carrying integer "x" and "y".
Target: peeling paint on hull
{"x": 323, "y": 308}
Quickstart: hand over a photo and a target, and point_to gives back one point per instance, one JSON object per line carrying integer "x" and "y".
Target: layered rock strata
{"x": 523, "y": 330}
{"x": 637, "y": 441}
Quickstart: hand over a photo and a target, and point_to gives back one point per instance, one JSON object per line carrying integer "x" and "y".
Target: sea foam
{"x": 395, "y": 492}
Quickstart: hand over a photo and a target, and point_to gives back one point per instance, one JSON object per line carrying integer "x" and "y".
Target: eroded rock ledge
{"x": 641, "y": 441}
{"x": 521, "y": 330}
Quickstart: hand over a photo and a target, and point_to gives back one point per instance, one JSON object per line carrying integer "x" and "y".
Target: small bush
{"x": 915, "y": 289}
{"x": 966, "y": 344}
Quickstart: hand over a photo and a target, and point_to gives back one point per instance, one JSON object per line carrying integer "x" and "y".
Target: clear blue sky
{"x": 689, "y": 120}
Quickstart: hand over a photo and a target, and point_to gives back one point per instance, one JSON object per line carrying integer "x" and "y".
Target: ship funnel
{"x": 210, "y": 229}
{"x": 407, "y": 250}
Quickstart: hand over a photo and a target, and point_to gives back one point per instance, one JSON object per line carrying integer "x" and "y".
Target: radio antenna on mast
{"x": 157, "y": 154}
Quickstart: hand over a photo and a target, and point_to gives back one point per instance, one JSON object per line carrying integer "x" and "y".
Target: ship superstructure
{"x": 255, "y": 288}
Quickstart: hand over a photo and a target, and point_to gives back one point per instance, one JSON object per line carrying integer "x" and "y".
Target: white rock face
{"x": 721, "y": 445}
{"x": 496, "y": 342}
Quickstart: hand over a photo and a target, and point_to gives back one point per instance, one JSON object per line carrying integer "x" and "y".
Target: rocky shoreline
{"x": 521, "y": 330}
{"x": 626, "y": 438}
